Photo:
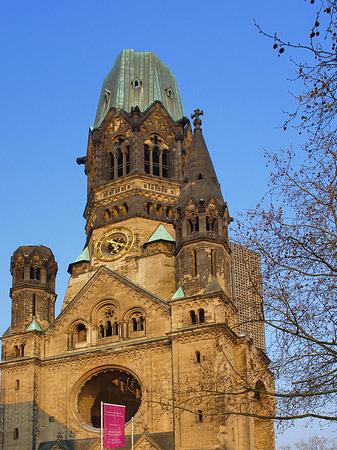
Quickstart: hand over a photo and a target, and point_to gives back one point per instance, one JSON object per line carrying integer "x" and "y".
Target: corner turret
{"x": 203, "y": 218}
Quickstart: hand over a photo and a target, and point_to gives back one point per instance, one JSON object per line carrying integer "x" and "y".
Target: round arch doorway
{"x": 113, "y": 385}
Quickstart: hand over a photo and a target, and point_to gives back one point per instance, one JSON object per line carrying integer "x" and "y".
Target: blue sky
{"x": 55, "y": 55}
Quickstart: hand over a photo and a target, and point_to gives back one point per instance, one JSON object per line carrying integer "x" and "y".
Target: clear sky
{"x": 55, "y": 55}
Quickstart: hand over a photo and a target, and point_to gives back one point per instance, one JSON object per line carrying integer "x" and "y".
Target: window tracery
{"x": 136, "y": 323}
{"x": 108, "y": 322}
{"x": 156, "y": 157}
{"x": 211, "y": 222}
{"x": 193, "y": 224}
{"x": 119, "y": 159}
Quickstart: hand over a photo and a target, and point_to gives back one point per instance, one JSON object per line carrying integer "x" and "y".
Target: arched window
{"x": 19, "y": 274}
{"x": 160, "y": 210}
{"x": 197, "y": 356}
{"x": 193, "y": 224}
{"x": 194, "y": 263}
{"x": 199, "y": 416}
{"x": 80, "y": 333}
{"x": 115, "y": 212}
{"x": 155, "y": 160}
{"x": 22, "y": 350}
{"x": 201, "y": 314}
{"x": 213, "y": 262}
{"x": 108, "y": 328}
{"x": 211, "y": 223}
{"x": 193, "y": 317}
{"x": 137, "y": 323}
{"x": 17, "y": 385}
{"x": 106, "y": 215}
{"x": 34, "y": 273}
{"x": 147, "y": 158}
{"x": 16, "y": 351}
{"x": 34, "y": 305}
{"x": 119, "y": 159}
{"x": 124, "y": 209}
{"x": 149, "y": 208}
{"x": 169, "y": 213}
{"x": 156, "y": 157}
{"x": 262, "y": 407}
{"x": 16, "y": 434}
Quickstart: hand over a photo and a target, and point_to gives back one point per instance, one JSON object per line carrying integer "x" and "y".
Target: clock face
{"x": 114, "y": 244}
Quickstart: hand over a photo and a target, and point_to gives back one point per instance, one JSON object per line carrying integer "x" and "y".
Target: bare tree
{"x": 294, "y": 228}
{"x": 315, "y": 64}
{"x": 312, "y": 443}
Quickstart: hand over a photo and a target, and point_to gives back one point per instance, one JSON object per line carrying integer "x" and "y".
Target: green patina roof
{"x": 34, "y": 326}
{"x": 161, "y": 234}
{"x": 139, "y": 79}
{"x": 84, "y": 256}
{"x": 178, "y": 294}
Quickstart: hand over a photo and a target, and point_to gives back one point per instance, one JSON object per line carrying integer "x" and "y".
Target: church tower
{"x": 33, "y": 295}
{"x": 159, "y": 314}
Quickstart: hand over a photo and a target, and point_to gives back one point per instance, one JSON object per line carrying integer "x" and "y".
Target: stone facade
{"x": 159, "y": 314}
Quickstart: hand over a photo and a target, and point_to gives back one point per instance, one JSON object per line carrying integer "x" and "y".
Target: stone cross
{"x": 197, "y": 122}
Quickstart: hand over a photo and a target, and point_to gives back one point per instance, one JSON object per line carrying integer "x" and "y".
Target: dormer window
{"x": 169, "y": 92}
{"x": 136, "y": 83}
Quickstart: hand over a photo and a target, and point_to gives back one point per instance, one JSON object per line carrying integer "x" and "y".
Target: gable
{"x": 107, "y": 287}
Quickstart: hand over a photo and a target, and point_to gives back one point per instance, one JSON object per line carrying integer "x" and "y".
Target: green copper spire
{"x": 139, "y": 79}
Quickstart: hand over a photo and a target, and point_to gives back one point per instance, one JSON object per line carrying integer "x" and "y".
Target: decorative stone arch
{"x": 111, "y": 383}
{"x": 106, "y": 320}
{"x": 135, "y": 320}
{"x": 78, "y": 334}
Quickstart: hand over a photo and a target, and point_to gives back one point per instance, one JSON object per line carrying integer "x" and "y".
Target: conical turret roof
{"x": 200, "y": 181}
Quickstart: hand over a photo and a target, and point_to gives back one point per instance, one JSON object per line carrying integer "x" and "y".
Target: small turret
{"x": 203, "y": 218}
{"x": 33, "y": 269}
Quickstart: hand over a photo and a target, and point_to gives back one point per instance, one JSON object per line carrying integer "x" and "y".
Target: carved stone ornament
{"x": 113, "y": 244}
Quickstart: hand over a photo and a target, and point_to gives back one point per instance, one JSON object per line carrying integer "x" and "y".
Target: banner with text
{"x": 113, "y": 426}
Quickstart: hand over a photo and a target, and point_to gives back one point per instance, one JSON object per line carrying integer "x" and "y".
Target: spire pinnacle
{"x": 200, "y": 182}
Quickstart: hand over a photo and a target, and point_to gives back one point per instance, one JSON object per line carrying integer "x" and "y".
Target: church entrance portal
{"x": 111, "y": 386}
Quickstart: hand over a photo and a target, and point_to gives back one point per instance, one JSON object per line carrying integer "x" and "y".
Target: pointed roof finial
{"x": 197, "y": 121}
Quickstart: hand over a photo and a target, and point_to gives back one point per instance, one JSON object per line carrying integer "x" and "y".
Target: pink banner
{"x": 113, "y": 426}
